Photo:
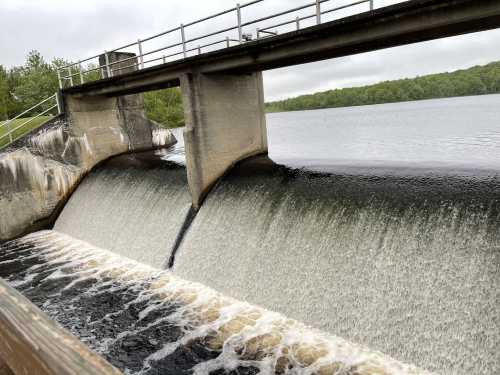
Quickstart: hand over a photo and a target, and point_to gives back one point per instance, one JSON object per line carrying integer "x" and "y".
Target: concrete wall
{"x": 225, "y": 123}
{"x": 113, "y": 124}
{"x": 39, "y": 172}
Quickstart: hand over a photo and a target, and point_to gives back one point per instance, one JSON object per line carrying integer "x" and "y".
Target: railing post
{"x": 183, "y": 35}
{"x": 141, "y": 58}
{"x": 81, "y": 72}
{"x": 258, "y": 33}
{"x": 240, "y": 31}
{"x": 199, "y": 50}
{"x": 70, "y": 73}
{"x": 58, "y": 101}
{"x": 108, "y": 68}
{"x": 10, "y": 132}
{"x": 228, "y": 44}
{"x": 297, "y": 22}
{"x": 164, "y": 59}
{"x": 59, "y": 78}
{"x": 371, "y": 5}
{"x": 318, "y": 12}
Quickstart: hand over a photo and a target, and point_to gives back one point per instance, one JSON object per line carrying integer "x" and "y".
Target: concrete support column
{"x": 225, "y": 123}
{"x": 112, "y": 125}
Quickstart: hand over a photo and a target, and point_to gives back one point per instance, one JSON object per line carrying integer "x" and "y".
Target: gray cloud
{"x": 76, "y": 29}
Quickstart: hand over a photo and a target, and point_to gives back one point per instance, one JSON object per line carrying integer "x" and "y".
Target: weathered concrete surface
{"x": 225, "y": 123}
{"x": 113, "y": 124}
{"x": 39, "y": 172}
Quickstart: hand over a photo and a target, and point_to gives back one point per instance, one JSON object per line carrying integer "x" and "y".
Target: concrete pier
{"x": 111, "y": 119}
{"x": 108, "y": 120}
{"x": 225, "y": 123}
{"x": 39, "y": 171}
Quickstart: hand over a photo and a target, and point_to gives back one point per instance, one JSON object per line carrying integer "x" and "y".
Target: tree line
{"x": 478, "y": 80}
{"x": 22, "y": 87}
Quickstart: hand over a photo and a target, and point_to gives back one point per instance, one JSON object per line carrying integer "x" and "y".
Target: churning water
{"x": 390, "y": 238}
{"x": 146, "y": 321}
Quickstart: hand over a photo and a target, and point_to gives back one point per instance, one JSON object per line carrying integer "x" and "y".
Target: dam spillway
{"x": 134, "y": 206}
{"x": 406, "y": 264}
{"x": 147, "y": 321}
{"x": 403, "y": 259}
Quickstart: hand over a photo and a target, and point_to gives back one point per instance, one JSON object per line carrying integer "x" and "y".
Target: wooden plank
{"x": 4, "y": 369}
{"x": 30, "y": 343}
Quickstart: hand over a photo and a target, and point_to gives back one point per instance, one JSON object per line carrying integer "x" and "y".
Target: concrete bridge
{"x": 223, "y": 90}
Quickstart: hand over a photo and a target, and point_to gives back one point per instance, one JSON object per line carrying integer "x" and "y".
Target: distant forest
{"x": 478, "y": 80}
{"x": 23, "y": 86}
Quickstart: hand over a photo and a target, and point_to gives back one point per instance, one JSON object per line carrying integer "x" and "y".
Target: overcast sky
{"x": 77, "y": 29}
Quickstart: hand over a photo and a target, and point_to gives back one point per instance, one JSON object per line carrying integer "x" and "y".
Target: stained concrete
{"x": 225, "y": 123}
{"x": 39, "y": 172}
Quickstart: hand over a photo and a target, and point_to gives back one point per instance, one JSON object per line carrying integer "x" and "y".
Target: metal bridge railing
{"x": 183, "y": 47}
{"x": 17, "y": 127}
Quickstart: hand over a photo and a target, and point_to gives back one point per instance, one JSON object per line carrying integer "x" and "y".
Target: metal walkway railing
{"x": 15, "y": 128}
{"x": 183, "y": 47}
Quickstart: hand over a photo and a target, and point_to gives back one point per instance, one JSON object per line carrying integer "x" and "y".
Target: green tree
{"x": 165, "y": 107}
{"x": 4, "y": 94}
{"x": 477, "y": 80}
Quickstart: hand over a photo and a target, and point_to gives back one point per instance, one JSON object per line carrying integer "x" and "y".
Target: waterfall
{"x": 134, "y": 206}
{"x": 402, "y": 260}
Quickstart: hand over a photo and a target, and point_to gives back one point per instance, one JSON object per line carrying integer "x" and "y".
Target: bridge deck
{"x": 405, "y": 23}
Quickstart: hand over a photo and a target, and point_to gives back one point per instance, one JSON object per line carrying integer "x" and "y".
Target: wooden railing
{"x": 30, "y": 343}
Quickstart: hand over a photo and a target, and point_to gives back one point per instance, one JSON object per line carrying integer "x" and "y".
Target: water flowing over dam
{"x": 145, "y": 321}
{"x": 403, "y": 260}
{"x": 133, "y": 206}
{"x": 399, "y": 258}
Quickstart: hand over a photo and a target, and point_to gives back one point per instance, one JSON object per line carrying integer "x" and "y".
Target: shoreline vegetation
{"x": 478, "y": 80}
{"x": 23, "y": 86}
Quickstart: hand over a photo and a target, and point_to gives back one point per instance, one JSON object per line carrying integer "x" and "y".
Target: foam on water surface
{"x": 146, "y": 321}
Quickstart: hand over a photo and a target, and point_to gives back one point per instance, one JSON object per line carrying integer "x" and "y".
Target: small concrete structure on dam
{"x": 109, "y": 249}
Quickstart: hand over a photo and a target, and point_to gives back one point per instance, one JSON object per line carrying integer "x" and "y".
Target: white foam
{"x": 246, "y": 335}
{"x": 162, "y": 137}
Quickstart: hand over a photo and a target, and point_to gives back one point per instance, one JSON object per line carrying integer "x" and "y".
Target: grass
{"x": 22, "y": 130}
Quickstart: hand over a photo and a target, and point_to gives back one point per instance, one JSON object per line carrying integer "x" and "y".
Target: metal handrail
{"x": 140, "y": 62}
{"x": 8, "y": 123}
{"x": 30, "y": 109}
{"x": 314, "y": 15}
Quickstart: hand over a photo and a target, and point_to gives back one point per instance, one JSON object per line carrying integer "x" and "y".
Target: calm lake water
{"x": 455, "y": 132}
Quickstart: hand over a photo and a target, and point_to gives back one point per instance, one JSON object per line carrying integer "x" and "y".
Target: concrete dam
{"x": 403, "y": 261}
{"x": 127, "y": 248}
